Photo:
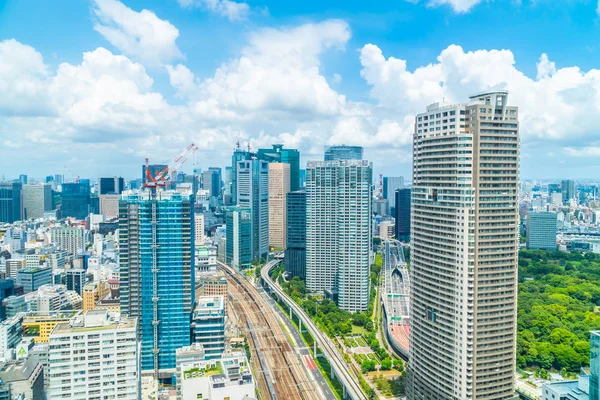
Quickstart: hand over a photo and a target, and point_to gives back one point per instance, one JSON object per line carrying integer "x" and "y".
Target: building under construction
{"x": 157, "y": 272}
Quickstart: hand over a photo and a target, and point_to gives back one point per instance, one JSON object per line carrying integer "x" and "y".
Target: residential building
{"x": 156, "y": 261}
{"x": 186, "y": 355}
{"x": 238, "y": 221}
{"x": 390, "y": 185}
{"x": 114, "y": 185}
{"x": 279, "y": 186}
{"x": 13, "y": 265}
{"x": 24, "y": 378}
{"x": 568, "y": 190}
{"x": 11, "y": 332}
{"x": 70, "y": 239}
{"x": 31, "y": 278}
{"x": 228, "y": 378}
{"x": 338, "y": 231}
{"x": 209, "y": 325}
{"x": 11, "y": 202}
{"x": 343, "y": 152}
{"x": 76, "y": 279}
{"x": 109, "y": 366}
{"x": 295, "y": 249}
{"x": 541, "y": 230}
{"x": 76, "y": 200}
{"x": 199, "y": 238}
{"x": 253, "y": 193}
{"x": 464, "y": 250}
{"x": 278, "y": 154}
{"x": 402, "y": 215}
{"x": 109, "y": 205}
{"x": 37, "y": 199}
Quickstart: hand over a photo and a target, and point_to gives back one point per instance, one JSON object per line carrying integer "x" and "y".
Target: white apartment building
{"x": 338, "y": 230}
{"x": 13, "y": 265}
{"x": 199, "y": 238}
{"x": 71, "y": 239}
{"x": 464, "y": 250}
{"x": 95, "y": 356}
{"x": 11, "y": 332}
{"x": 279, "y": 186}
{"x": 109, "y": 205}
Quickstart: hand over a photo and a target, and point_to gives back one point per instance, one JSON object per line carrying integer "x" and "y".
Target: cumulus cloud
{"x": 141, "y": 35}
{"x": 459, "y": 6}
{"x": 588, "y": 151}
{"x": 232, "y": 10}
{"x": 551, "y": 106}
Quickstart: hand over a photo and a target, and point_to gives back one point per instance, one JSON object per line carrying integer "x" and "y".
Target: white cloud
{"x": 22, "y": 80}
{"x": 558, "y": 104}
{"x": 337, "y": 78}
{"x": 588, "y": 151}
{"x": 278, "y": 72}
{"x": 459, "y": 6}
{"x": 234, "y": 11}
{"x": 182, "y": 79}
{"x": 141, "y": 35}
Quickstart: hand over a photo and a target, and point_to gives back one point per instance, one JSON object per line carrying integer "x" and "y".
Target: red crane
{"x": 176, "y": 163}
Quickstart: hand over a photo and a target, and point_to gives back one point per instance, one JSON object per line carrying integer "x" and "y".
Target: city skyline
{"x": 355, "y": 83}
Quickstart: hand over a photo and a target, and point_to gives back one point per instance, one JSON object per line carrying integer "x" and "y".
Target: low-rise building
{"x": 94, "y": 356}
{"x": 24, "y": 378}
{"x": 11, "y": 332}
{"x": 32, "y": 278}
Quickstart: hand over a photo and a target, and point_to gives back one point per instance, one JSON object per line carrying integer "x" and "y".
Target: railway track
{"x": 279, "y": 370}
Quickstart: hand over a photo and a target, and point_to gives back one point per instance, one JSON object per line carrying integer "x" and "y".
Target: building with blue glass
{"x": 541, "y": 230}
{"x": 238, "y": 223}
{"x": 238, "y": 155}
{"x": 295, "y": 252}
{"x": 157, "y": 272}
{"x": 76, "y": 200}
{"x": 343, "y": 152}
{"x": 11, "y": 205}
{"x": 402, "y": 214}
{"x": 286, "y": 156}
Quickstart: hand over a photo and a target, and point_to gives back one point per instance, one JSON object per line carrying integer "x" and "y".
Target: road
{"x": 332, "y": 353}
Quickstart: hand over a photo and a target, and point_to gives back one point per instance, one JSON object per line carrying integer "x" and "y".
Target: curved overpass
{"x": 339, "y": 366}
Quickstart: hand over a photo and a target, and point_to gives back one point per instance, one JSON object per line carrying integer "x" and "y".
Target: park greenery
{"x": 559, "y": 295}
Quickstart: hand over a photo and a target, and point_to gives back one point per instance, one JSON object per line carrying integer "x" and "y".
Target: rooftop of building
{"x": 575, "y": 390}
{"x": 94, "y": 320}
{"x": 18, "y": 370}
{"x": 210, "y": 302}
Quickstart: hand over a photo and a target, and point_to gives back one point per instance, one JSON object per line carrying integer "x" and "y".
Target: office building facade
{"x": 279, "y": 186}
{"x": 402, "y": 215}
{"x": 11, "y": 202}
{"x": 31, "y": 278}
{"x": 390, "y": 185}
{"x": 238, "y": 222}
{"x": 37, "y": 199}
{"x": 253, "y": 193}
{"x": 94, "y": 356}
{"x": 109, "y": 205}
{"x": 295, "y": 250}
{"x": 70, "y": 239}
{"x": 333, "y": 153}
{"x": 114, "y": 185}
{"x": 209, "y": 325}
{"x": 238, "y": 155}
{"x": 76, "y": 200}
{"x": 541, "y": 230}
{"x": 156, "y": 262}
{"x": 338, "y": 230}
{"x": 76, "y": 280}
{"x": 568, "y": 190}
{"x": 464, "y": 250}
{"x": 278, "y": 154}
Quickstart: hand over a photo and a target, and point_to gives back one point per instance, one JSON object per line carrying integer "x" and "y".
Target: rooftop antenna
{"x": 248, "y": 147}
{"x": 237, "y": 145}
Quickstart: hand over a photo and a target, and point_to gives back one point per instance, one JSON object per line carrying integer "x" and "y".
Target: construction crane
{"x": 75, "y": 176}
{"x": 152, "y": 182}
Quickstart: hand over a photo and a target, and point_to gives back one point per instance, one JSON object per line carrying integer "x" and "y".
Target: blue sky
{"x": 158, "y": 75}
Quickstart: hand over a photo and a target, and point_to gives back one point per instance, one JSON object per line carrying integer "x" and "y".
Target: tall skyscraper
{"x": 253, "y": 193}
{"x": 76, "y": 200}
{"x": 568, "y": 190}
{"x": 464, "y": 250}
{"x": 343, "y": 152}
{"x": 216, "y": 181}
{"x": 11, "y": 202}
{"x": 23, "y": 179}
{"x": 287, "y": 156}
{"x": 227, "y": 185}
{"x": 157, "y": 271}
{"x": 541, "y": 230}
{"x": 238, "y": 155}
{"x": 338, "y": 230}
{"x": 114, "y": 185}
{"x": 402, "y": 214}
{"x": 295, "y": 249}
{"x": 238, "y": 252}
{"x": 279, "y": 186}
{"x": 390, "y": 185}
{"x": 36, "y": 200}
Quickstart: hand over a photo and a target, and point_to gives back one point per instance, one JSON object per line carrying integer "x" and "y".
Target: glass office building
{"x": 75, "y": 198}
{"x": 286, "y": 156}
{"x": 157, "y": 271}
